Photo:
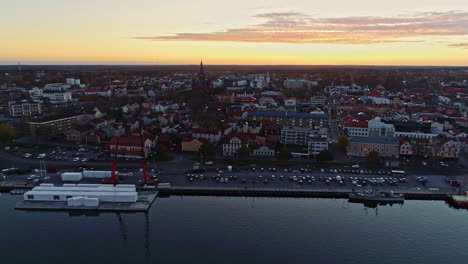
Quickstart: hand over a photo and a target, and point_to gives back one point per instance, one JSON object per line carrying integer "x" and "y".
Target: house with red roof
{"x": 130, "y": 147}
{"x": 211, "y": 134}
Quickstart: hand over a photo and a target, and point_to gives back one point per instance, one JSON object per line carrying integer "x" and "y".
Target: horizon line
{"x": 208, "y": 65}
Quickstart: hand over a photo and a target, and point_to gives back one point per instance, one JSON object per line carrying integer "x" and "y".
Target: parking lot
{"x": 348, "y": 178}
{"x": 74, "y": 154}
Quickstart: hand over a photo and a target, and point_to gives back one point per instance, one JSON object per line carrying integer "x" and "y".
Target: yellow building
{"x": 192, "y": 144}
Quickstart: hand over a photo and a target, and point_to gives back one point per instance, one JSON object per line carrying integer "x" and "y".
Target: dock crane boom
{"x": 113, "y": 179}
{"x": 146, "y": 180}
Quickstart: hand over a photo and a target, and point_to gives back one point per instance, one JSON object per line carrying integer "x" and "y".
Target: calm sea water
{"x": 239, "y": 230}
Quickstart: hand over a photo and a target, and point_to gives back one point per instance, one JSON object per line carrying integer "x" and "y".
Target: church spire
{"x": 202, "y": 71}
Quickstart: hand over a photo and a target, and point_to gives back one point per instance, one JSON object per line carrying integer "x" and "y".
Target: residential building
{"x": 249, "y": 127}
{"x": 130, "y": 147}
{"x": 406, "y": 148}
{"x": 377, "y": 128}
{"x": 57, "y": 97}
{"x": 263, "y": 151}
{"x": 213, "y": 135}
{"x": 24, "y": 108}
{"x": 56, "y": 87}
{"x": 295, "y": 135}
{"x": 448, "y": 149}
{"x": 192, "y": 144}
{"x": 302, "y": 120}
{"x": 316, "y": 145}
{"x": 78, "y": 134}
{"x": 356, "y": 128}
{"x": 55, "y": 126}
{"x": 385, "y": 146}
{"x": 232, "y": 143}
{"x": 317, "y": 101}
{"x": 296, "y": 84}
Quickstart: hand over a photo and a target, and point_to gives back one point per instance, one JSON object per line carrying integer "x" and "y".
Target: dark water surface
{"x": 239, "y": 230}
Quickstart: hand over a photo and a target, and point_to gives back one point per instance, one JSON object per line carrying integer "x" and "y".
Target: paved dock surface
{"x": 145, "y": 199}
{"x": 413, "y": 193}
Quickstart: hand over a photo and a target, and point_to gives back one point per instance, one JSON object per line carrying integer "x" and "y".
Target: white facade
{"x": 58, "y": 97}
{"x": 290, "y": 102}
{"x": 264, "y": 151}
{"x": 35, "y": 93}
{"x": 357, "y": 131}
{"x": 103, "y": 192}
{"x": 55, "y": 87}
{"x": 377, "y": 128}
{"x": 230, "y": 148}
{"x": 316, "y": 146}
{"x": 295, "y": 135}
{"x": 72, "y": 176}
{"x": 24, "y": 108}
{"x": 73, "y": 81}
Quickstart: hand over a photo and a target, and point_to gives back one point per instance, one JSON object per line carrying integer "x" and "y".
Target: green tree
{"x": 346, "y": 131}
{"x": 207, "y": 149}
{"x": 162, "y": 151}
{"x": 43, "y": 134}
{"x": 116, "y": 113}
{"x": 284, "y": 155}
{"x": 7, "y": 133}
{"x": 243, "y": 153}
{"x": 394, "y": 84}
{"x": 373, "y": 158}
{"x": 324, "y": 155}
{"x": 343, "y": 142}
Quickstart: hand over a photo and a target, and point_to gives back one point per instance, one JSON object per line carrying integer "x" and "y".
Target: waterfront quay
{"x": 285, "y": 192}
{"x": 273, "y": 181}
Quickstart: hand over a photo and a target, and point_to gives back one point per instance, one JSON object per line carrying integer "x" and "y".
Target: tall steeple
{"x": 202, "y": 71}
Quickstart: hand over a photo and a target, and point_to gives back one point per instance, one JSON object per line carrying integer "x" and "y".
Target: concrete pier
{"x": 283, "y": 192}
{"x": 144, "y": 202}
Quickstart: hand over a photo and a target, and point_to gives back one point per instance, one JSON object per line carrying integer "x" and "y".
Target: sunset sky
{"x": 332, "y": 32}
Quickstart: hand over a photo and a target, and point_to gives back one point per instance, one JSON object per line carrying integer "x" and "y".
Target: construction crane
{"x": 146, "y": 180}
{"x": 113, "y": 179}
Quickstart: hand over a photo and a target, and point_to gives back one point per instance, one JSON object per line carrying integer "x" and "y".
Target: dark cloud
{"x": 459, "y": 45}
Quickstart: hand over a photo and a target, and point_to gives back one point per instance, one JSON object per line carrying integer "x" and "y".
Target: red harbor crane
{"x": 146, "y": 180}
{"x": 113, "y": 179}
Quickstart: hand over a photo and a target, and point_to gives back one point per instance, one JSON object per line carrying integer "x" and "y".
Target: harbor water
{"x": 191, "y": 229}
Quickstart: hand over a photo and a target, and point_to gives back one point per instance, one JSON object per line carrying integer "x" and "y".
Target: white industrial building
{"x": 78, "y": 176}
{"x": 68, "y": 193}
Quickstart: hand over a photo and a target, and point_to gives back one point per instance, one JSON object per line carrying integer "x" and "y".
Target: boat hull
{"x": 361, "y": 198}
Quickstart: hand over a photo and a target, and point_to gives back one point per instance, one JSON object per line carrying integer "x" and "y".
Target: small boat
{"x": 376, "y": 196}
{"x": 458, "y": 201}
